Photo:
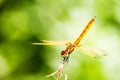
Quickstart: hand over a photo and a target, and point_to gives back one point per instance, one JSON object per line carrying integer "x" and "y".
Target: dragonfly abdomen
{"x": 84, "y": 32}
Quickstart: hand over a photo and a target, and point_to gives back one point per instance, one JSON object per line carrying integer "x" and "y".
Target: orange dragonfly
{"x": 70, "y": 47}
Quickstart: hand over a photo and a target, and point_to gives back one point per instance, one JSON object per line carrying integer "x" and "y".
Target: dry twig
{"x": 59, "y": 70}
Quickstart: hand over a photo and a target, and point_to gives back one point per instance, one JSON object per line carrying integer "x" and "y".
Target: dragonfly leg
{"x": 66, "y": 59}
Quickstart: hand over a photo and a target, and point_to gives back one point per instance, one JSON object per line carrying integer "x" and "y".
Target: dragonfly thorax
{"x": 69, "y": 49}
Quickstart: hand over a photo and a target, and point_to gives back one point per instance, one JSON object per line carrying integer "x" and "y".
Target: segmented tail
{"x": 84, "y": 32}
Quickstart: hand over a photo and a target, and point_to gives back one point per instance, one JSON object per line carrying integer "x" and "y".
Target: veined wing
{"x": 92, "y": 52}
{"x": 47, "y": 42}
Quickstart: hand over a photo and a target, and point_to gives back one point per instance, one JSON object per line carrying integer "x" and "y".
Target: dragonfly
{"x": 70, "y": 47}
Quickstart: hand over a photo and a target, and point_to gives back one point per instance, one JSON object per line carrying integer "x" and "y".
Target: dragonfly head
{"x": 64, "y": 53}
{"x": 65, "y": 56}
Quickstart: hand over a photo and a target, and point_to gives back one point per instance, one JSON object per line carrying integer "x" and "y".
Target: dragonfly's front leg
{"x": 65, "y": 59}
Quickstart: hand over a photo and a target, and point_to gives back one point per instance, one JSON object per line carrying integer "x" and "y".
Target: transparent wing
{"x": 92, "y": 52}
{"x": 46, "y": 42}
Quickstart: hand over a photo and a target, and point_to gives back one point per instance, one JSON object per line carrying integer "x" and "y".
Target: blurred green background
{"x": 25, "y": 21}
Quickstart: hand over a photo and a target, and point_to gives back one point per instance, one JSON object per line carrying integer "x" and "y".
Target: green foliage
{"x": 25, "y": 21}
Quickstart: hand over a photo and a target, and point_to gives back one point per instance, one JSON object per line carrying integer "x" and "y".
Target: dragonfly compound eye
{"x": 63, "y": 52}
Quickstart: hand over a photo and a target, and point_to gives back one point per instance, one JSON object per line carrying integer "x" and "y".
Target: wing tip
{"x": 35, "y": 43}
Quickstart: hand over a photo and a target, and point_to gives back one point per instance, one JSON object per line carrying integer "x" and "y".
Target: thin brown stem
{"x": 59, "y": 71}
